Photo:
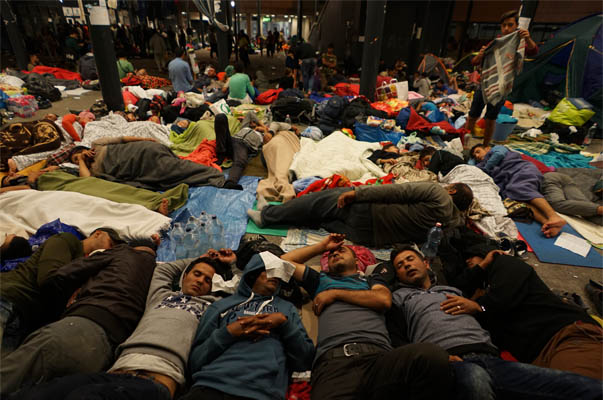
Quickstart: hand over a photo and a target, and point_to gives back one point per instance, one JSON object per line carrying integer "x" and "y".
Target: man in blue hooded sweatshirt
{"x": 247, "y": 344}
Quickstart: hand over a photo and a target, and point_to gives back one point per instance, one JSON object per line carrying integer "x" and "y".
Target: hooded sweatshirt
{"x": 243, "y": 367}
{"x": 163, "y": 337}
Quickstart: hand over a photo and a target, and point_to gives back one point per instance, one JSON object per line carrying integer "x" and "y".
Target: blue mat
{"x": 230, "y": 206}
{"x": 546, "y": 251}
{"x": 365, "y": 133}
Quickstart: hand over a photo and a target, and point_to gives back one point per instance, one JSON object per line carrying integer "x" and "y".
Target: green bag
{"x": 572, "y": 112}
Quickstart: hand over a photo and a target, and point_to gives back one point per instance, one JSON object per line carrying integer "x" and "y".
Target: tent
{"x": 570, "y": 63}
{"x": 432, "y": 66}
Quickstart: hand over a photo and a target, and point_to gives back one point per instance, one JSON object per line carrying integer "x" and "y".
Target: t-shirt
{"x": 124, "y": 67}
{"x": 239, "y": 85}
{"x": 180, "y": 75}
{"x": 330, "y": 58}
{"x": 341, "y": 322}
{"x": 252, "y": 138}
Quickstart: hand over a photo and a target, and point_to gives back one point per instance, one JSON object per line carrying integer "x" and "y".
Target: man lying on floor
{"x": 143, "y": 163}
{"x": 518, "y": 180}
{"x": 373, "y": 215}
{"x": 22, "y": 298}
{"x": 152, "y": 362}
{"x": 421, "y": 314}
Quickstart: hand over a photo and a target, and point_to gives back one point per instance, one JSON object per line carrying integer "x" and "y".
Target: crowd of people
{"x": 101, "y": 317}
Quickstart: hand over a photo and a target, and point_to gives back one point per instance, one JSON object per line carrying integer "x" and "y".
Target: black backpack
{"x": 299, "y": 110}
{"x": 37, "y": 85}
{"x": 359, "y": 107}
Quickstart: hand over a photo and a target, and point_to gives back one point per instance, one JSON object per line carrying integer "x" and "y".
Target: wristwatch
{"x": 483, "y": 308}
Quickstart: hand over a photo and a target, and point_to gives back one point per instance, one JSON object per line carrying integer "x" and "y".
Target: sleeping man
{"x": 518, "y": 180}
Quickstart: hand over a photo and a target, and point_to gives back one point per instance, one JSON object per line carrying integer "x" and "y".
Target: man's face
{"x": 392, "y": 149}
{"x": 211, "y": 72}
{"x": 411, "y": 269}
{"x": 509, "y": 25}
{"x": 102, "y": 240}
{"x": 480, "y": 153}
{"x": 264, "y": 286}
{"x": 330, "y": 50}
{"x": 426, "y": 160}
{"x": 342, "y": 259}
{"x": 473, "y": 261}
{"x": 197, "y": 282}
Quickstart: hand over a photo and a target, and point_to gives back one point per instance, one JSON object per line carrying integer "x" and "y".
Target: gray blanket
{"x": 153, "y": 166}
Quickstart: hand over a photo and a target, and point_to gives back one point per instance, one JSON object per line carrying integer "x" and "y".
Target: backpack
{"x": 38, "y": 85}
{"x": 358, "y": 110}
{"x": 291, "y": 93}
{"x": 332, "y": 109}
{"x": 300, "y": 110}
{"x": 268, "y": 97}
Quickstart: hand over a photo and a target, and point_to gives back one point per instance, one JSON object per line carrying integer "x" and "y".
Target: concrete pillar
{"x": 15, "y": 37}
{"x": 249, "y": 24}
{"x": 371, "y": 54}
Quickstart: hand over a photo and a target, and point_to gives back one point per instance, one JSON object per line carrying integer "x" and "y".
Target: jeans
{"x": 96, "y": 387}
{"x": 483, "y": 377}
{"x": 415, "y": 371}
{"x": 12, "y": 330}
{"x": 206, "y": 393}
{"x": 320, "y": 210}
{"x": 227, "y": 146}
{"x": 65, "y": 347}
{"x": 307, "y": 69}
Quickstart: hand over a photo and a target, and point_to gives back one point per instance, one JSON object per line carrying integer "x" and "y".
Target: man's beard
{"x": 338, "y": 268}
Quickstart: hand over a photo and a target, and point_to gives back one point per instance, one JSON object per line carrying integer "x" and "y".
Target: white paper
{"x": 99, "y": 16}
{"x": 524, "y": 23}
{"x": 573, "y": 243}
{"x": 277, "y": 268}
{"x": 76, "y": 92}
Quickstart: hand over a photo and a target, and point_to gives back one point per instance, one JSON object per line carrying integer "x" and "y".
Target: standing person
{"x": 110, "y": 302}
{"x": 293, "y": 63}
{"x": 270, "y": 44}
{"x": 213, "y": 42}
{"x": 329, "y": 64}
{"x": 354, "y": 356}
{"x": 157, "y": 46}
{"x": 73, "y": 48}
{"x": 417, "y": 317}
{"x": 21, "y": 298}
{"x": 152, "y": 362}
{"x": 508, "y": 24}
{"x": 254, "y": 332}
{"x": 243, "y": 45}
{"x": 306, "y": 55}
{"x": 180, "y": 72}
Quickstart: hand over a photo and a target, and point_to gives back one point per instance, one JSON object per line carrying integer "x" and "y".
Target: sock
{"x": 256, "y": 216}
{"x": 262, "y": 202}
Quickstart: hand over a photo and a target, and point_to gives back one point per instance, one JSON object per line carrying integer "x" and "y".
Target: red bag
{"x": 131, "y": 80}
{"x": 268, "y": 97}
{"x": 129, "y": 98}
{"x": 347, "y": 89}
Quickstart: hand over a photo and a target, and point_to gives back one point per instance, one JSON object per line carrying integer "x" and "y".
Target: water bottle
{"x": 216, "y": 232}
{"x": 430, "y": 247}
{"x": 191, "y": 224}
{"x": 288, "y": 119}
{"x": 590, "y": 135}
{"x": 203, "y": 217}
{"x": 203, "y": 240}
{"x": 268, "y": 117}
{"x": 176, "y": 241}
{"x": 190, "y": 242}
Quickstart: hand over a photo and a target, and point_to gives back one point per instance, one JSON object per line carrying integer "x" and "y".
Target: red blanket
{"x": 58, "y": 73}
{"x": 418, "y": 123}
{"x": 342, "y": 181}
{"x": 204, "y": 154}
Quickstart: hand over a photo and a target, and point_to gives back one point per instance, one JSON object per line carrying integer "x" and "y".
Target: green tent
{"x": 569, "y": 62}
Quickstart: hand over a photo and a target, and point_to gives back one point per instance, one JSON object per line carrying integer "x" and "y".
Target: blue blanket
{"x": 230, "y": 206}
{"x": 517, "y": 179}
{"x": 560, "y": 160}
{"x": 365, "y": 133}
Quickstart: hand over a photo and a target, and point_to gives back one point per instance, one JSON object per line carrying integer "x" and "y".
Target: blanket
{"x": 279, "y": 153}
{"x": 503, "y": 60}
{"x": 120, "y": 193}
{"x": 335, "y": 154}
{"x": 418, "y": 123}
{"x": 84, "y": 212}
{"x": 185, "y": 143}
{"x": 486, "y": 192}
{"x": 204, "y": 154}
{"x": 114, "y": 125}
{"x": 58, "y": 73}
{"x": 153, "y": 166}
{"x": 558, "y": 160}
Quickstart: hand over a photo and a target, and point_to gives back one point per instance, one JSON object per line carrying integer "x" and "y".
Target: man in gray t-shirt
{"x": 354, "y": 357}
{"x": 424, "y": 312}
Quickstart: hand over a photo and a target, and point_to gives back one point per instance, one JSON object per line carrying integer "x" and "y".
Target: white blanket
{"x": 24, "y": 211}
{"x": 335, "y": 154}
{"x": 486, "y": 192}
{"x": 114, "y": 125}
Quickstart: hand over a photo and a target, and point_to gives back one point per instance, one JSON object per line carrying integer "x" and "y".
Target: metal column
{"x": 104, "y": 55}
{"x": 15, "y": 37}
{"x": 528, "y": 9}
{"x": 465, "y": 27}
{"x": 371, "y": 54}
{"x": 300, "y": 19}
{"x": 259, "y": 20}
{"x": 223, "y": 53}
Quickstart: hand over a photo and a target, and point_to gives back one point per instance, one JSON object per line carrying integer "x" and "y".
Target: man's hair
{"x": 19, "y": 247}
{"x": 179, "y": 52}
{"x": 400, "y": 247}
{"x": 427, "y": 151}
{"x": 215, "y": 264}
{"x": 288, "y": 71}
{"x": 388, "y": 145}
{"x": 510, "y": 14}
{"x": 463, "y": 197}
{"x": 477, "y": 146}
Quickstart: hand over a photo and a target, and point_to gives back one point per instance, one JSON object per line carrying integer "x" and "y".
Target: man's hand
{"x": 489, "y": 258}
{"x": 457, "y": 305}
{"x": 227, "y": 256}
{"x": 333, "y": 241}
{"x": 346, "y": 198}
{"x": 389, "y": 161}
{"x": 524, "y": 34}
{"x": 265, "y": 322}
{"x": 323, "y": 299}
{"x": 239, "y": 330}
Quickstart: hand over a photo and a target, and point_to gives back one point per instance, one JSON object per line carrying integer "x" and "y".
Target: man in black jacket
{"x": 106, "y": 309}
{"x": 527, "y": 319}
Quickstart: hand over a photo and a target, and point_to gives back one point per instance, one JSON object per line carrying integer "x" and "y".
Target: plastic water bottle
{"x": 590, "y": 135}
{"x": 203, "y": 240}
{"x": 268, "y": 117}
{"x": 288, "y": 119}
{"x": 216, "y": 233}
{"x": 177, "y": 241}
{"x": 430, "y": 247}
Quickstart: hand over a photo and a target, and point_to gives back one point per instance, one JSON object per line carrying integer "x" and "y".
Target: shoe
{"x": 520, "y": 247}
{"x": 595, "y": 293}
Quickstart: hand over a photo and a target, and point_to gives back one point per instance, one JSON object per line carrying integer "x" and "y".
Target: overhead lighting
{"x": 286, "y": 16}
{"x": 273, "y": 15}
{"x": 232, "y": 3}
{"x": 183, "y": 13}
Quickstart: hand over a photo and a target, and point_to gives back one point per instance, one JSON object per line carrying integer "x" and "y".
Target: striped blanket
{"x": 503, "y": 60}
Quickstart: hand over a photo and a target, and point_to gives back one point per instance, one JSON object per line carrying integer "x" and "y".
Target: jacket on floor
{"x": 243, "y": 367}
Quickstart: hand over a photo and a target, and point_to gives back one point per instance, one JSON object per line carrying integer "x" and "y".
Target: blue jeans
{"x": 483, "y": 376}
{"x": 12, "y": 332}
{"x": 307, "y": 69}
{"x": 96, "y": 387}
